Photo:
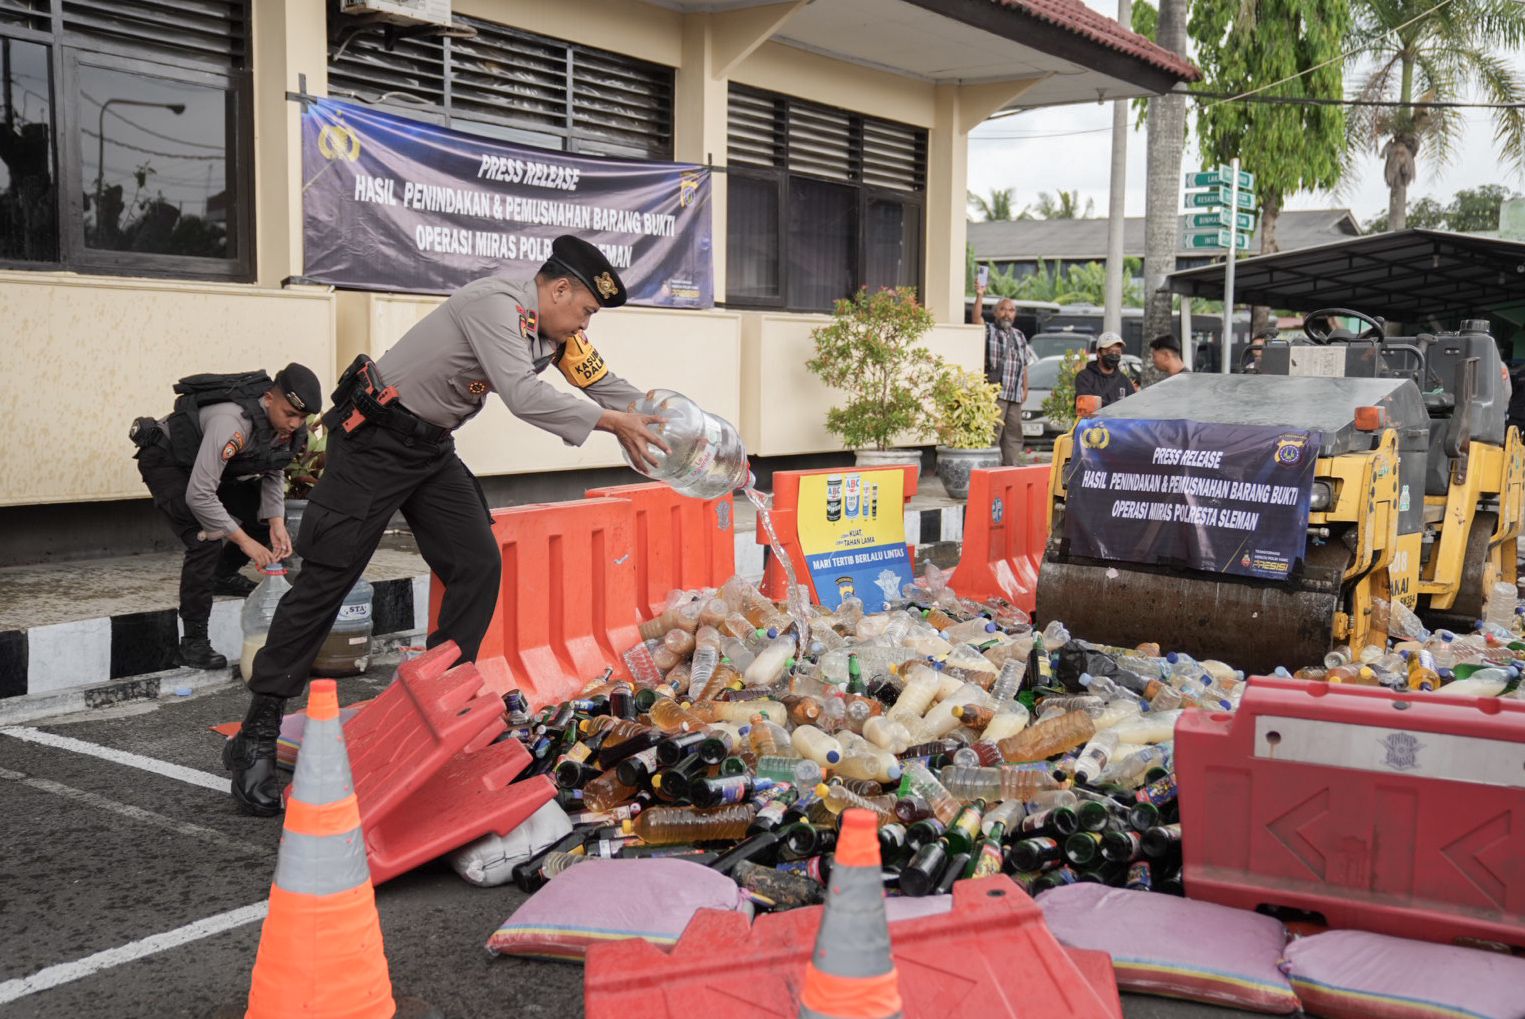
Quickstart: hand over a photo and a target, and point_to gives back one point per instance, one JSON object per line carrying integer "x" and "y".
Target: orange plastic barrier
{"x": 954, "y": 963}
{"x": 786, "y": 499}
{"x": 567, "y": 605}
{"x": 679, "y": 542}
{"x": 426, "y": 773}
{"x": 1005, "y": 531}
{"x": 1382, "y": 811}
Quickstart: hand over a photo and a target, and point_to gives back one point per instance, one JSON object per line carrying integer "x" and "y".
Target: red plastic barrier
{"x": 1005, "y": 531}
{"x": 786, "y": 498}
{"x": 679, "y": 542}
{"x": 567, "y": 605}
{"x": 1399, "y": 814}
{"x": 991, "y": 956}
{"x": 427, "y": 775}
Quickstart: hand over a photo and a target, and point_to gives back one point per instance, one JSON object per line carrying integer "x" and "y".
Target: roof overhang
{"x": 1409, "y": 276}
{"x": 1055, "y": 51}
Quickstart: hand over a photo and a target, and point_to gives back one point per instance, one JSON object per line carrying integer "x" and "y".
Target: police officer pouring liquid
{"x": 390, "y": 448}
{"x": 216, "y": 469}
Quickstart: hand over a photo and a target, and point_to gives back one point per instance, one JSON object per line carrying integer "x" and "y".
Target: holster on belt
{"x": 361, "y": 395}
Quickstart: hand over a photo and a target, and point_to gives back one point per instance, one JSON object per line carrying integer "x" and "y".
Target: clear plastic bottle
{"x": 706, "y": 657}
{"x": 1009, "y": 681}
{"x": 670, "y": 716}
{"x": 679, "y": 615}
{"x": 1055, "y": 636}
{"x": 771, "y": 663}
{"x": 1155, "y": 727}
{"x": 258, "y": 610}
{"x": 974, "y": 631}
{"x": 874, "y": 764}
{"x": 811, "y": 742}
{"x": 1007, "y": 723}
{"x": 1499, "y": 606}
{"x": 1045, "y": 739}
{"x": 660, "y": 826}
{"x": 924, "y": 784}
{"x": 1489, "y": 682}
{"x": 838, "y": 798}
{"x": 800, "y": 771}
{"x": 1009, "y": 782}
{"x": 708, "y": 458}
{"x": 887, "y": 733}
{"x": 606, "y": 791}
{"x": 1095, "y": 755}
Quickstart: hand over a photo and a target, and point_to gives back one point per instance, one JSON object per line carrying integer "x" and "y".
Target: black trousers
{"x": 371, "y": 474}
{"x": 204, "y": 560}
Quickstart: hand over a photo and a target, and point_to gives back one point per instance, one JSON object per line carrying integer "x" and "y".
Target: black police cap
{"x": 300, "y": 387}
{"x": 588, "y": 265}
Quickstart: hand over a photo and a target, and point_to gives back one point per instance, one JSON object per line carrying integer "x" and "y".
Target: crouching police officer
{"x": 390, "y": 448}
{"x": 216, "y": 469}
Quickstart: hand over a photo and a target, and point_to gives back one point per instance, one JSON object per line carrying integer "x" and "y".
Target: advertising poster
{"x": 852, "y": 531}
{"x": 1223, "y": 498}
{"x": 390, "y": 203}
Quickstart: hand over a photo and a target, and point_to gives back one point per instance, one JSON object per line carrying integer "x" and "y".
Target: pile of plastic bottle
{"x": 1484, "y": 663}
{"x": 981, "y": 745}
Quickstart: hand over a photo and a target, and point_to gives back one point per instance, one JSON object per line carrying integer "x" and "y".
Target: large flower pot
{"x": 954, "y": 465}
{"x": 890, "y": 458}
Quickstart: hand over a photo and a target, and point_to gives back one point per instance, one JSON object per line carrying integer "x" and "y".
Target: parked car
{"x": 1038, "y": 430}
{"x": 1057, "y": 344}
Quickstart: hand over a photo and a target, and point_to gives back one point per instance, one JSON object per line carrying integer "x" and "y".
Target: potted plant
{"x": 1059, "y": 408}
{"x": 966, "y": 416}
{"x": 302, "y": 475}
{"x": 872, "y": 352}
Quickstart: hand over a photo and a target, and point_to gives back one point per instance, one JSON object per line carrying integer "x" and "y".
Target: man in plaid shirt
{"x": 1005, "y": 366}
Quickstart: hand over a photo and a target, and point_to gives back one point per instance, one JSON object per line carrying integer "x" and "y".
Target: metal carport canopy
{"x": 1408, "y": 276}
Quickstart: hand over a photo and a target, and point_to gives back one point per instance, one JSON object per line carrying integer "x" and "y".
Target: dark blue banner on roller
{"x": 1224, "y": 498}
{"x": 390, "y": 203}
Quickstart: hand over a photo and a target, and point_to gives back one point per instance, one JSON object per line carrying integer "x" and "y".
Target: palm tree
{"x": 1162, "y": 201}
{"x": 1454, "y": 51}
{"x": 995, "y": 208}
{"x": 1060, "y": 205}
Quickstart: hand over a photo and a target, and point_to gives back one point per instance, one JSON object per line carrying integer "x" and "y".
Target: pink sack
{"x": 1175, "y": 947}
{"x": 1357, "y": 975}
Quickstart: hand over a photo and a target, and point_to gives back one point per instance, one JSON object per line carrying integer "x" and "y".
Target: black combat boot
{"x": 235, "y": 584}
{"x": 196, "y": 649}
{"x": 250, "y": 756}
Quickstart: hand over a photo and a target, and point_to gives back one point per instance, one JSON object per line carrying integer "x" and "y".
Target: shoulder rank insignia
{"x": 529, "y": 323}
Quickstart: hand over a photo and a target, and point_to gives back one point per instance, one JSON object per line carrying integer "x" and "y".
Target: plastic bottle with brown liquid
{"x": 924, "y": 784}
{"x": 1045, "y": 739}
{"x": 674, "y": 825}
{"x": 670, "y": 716}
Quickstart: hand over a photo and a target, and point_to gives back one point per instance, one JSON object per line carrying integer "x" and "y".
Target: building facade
{"x": 151, "y": 188}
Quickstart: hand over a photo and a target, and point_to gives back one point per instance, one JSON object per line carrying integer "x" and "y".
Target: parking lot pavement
{"x": 132, "y": 887}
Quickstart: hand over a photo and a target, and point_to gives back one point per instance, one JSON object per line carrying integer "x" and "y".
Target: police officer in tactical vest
{"x": 390, "y": 448}
{"x": 216, "y": 469}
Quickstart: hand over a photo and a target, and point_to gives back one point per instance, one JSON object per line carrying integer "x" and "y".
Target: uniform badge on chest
{"x": 476, "y": 387}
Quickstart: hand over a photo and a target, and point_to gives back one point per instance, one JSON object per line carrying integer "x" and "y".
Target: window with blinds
{"x": 211, "y": 32}
{"x": 511, "y": 84}
{"x": 822, "y": 201}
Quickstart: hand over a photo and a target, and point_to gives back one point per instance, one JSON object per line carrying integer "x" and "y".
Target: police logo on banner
{"x": 1289, "y": 449}
{"x": 1095, "y": 436}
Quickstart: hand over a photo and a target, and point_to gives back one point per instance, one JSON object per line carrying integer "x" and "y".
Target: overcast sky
{"x": 1069, "y": 147}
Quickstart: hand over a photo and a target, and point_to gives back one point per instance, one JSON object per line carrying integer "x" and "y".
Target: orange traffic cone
{"x": 851, "y": 974}
{"x": 320, "y": 953}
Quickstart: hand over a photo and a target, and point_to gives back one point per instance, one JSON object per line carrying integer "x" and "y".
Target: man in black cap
{"x": 216, "y": 469}
{"x": 390, "y": 448}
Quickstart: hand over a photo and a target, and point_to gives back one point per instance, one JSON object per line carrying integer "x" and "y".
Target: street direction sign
{"x": 1221, "y": 217}
{"x": 1219, "y": 196}
{"x": 1222, "y": 175}
{"x": 1216, "y": 239}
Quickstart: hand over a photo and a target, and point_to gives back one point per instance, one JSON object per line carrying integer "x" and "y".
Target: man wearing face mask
{"x": 1005, "y": 366}
{"x": 1104, "y": 376}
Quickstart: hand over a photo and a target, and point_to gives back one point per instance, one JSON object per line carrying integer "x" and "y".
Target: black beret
{"x": 588, "y": 265}
{"x": 300, "y": 387}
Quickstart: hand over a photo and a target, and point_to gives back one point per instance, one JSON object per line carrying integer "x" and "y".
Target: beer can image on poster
{"x": 833, "y": 497}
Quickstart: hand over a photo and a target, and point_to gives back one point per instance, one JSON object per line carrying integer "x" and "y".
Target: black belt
{"x": 396, "y": 418}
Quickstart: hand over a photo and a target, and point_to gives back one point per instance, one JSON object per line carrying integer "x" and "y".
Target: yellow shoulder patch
{"x": 580, "y": 363}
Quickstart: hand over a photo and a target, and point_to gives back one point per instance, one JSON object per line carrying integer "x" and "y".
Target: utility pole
{"x": 1112, "y": 311}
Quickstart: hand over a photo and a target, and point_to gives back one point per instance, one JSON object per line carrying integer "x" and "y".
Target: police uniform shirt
{"x": 484, "y": 339}
{"x": 1090, "y": 381}
{"x": 225, "y": 430}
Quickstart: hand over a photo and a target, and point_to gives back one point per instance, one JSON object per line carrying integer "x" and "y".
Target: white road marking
{"x": 68, "y": 972}
{"x": 194, "y": 831}
{"x": 205, "y": 779}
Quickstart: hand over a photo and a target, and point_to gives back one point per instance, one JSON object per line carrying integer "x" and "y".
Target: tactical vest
{"x": 260, "y": 453}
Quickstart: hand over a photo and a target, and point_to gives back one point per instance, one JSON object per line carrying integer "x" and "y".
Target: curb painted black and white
{"x": 87, "y": 652}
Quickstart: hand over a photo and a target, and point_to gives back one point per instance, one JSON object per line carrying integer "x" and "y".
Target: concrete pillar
{"x": 958, "y": 110}
{"x": 290, "y": 38}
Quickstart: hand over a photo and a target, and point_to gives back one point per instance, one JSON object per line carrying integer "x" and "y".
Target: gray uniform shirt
{"x": 225, "y": 429}
{"x": 483, "y": 340}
